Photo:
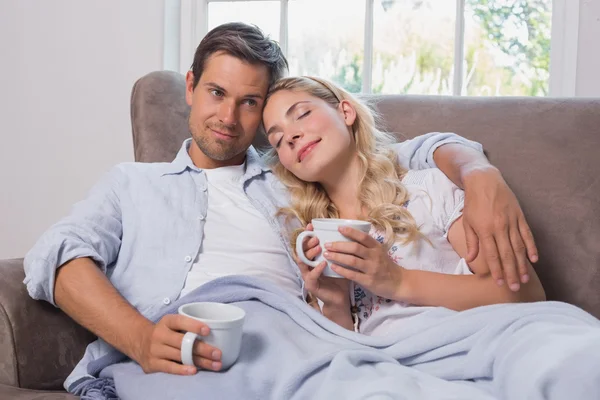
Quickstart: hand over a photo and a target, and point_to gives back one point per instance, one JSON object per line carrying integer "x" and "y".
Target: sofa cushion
{"x": 13, "y": 393}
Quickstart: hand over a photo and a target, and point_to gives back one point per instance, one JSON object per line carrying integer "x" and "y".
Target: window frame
{"x": 186, "y": 23}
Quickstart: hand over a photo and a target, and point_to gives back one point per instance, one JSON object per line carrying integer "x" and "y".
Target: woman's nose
{"x": 294, "y": 137}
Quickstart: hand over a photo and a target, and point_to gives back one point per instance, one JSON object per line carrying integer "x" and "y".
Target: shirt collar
{"x": 254, "y": 163}
{"x": 182, "y": 160}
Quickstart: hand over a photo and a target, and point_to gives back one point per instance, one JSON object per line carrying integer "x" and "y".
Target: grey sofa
{"x": 547, "y": 149}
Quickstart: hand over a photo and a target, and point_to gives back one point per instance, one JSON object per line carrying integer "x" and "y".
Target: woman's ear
{"x": 348, "y": 111}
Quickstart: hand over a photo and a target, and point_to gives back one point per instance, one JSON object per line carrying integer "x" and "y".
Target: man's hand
{"x": 160, "y": 347}
{"x": 494, "y": 223}
{"x": 85, "y": 293}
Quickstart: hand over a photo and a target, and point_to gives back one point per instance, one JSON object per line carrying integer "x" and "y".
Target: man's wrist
{"x": 472, "y": 174}
{"x": 142, "y": 333}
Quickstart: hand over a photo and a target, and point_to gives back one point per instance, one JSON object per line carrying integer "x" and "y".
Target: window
{"x": 446, "y": 47}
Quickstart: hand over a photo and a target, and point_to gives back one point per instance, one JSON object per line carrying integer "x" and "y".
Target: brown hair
{"x": 243, "y": 41}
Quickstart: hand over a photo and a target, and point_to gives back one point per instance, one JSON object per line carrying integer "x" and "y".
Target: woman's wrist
{"x": 338, "y": 307}
{"x": 404, "y": 285}
{"x": 340, "y": 314}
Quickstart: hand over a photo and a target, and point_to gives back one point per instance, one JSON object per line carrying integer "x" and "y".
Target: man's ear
{"x": 189, "y": 87}
{"x": 348, "y": 111}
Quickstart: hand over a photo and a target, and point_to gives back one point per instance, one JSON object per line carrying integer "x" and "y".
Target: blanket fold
{"x": 290, "y": 351}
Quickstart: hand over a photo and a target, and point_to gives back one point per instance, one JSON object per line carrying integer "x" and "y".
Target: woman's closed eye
{"x": 278, "y": 144}
{"x": 280, "y": 139}
{"x": 304, "y": 114}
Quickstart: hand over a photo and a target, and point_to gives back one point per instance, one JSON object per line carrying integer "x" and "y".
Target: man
{"x": 150, "y": 233}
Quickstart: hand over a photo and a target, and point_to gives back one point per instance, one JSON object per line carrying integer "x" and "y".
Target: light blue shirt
{"x": 143, "y": 225}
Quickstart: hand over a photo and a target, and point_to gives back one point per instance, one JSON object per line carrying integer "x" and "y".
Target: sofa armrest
{"x": 40, "y": 345}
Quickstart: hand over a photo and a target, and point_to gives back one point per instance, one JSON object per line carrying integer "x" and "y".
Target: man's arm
{"x": 457, "y": 161}
{"x": 494, "y": 221}
{"x": 92, "y": 230}
{"x": 67, "y": 267}
{"x": 418, "y": 152}
{"x": 84, "y": 293}
{"x": 493, "y": 218}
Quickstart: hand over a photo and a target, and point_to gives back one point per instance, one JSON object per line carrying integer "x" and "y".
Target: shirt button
{"x": 201, "y": 218}
{"x": 166, "y": 301}
{"x": 188, "y": 258}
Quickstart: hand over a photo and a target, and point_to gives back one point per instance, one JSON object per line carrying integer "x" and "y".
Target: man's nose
{"x": 227, "y": 114}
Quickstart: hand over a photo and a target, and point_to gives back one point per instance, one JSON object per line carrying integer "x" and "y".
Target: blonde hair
{"x": 380, "y": 189}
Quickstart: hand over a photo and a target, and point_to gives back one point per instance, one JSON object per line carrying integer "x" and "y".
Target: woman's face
{"x": 310, "y": 136}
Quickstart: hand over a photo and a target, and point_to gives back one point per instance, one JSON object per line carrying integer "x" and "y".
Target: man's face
{"x": 226, "y": 109}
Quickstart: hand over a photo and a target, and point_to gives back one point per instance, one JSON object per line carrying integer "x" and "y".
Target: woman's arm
{"x": 374, "y": 270}
{"x": 340, "y": 315}
{"x": 461, "y": 292}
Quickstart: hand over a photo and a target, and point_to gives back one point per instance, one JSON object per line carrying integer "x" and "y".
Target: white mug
{"x": 326, "y": 229}
{"x": 225, "y": 322}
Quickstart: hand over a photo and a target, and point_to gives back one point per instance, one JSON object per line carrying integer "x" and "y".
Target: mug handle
{"x": 187, "y": 346}
{"x": 300, "y": 252}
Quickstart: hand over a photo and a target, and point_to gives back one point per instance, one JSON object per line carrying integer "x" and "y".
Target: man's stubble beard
{"x": 215, "y": 149}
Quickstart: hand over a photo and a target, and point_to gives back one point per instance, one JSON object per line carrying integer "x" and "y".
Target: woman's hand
{"x": 333, "y": 292}
{"x": 374, "y": 270}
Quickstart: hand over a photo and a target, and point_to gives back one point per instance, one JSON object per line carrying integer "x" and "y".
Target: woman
{"x": 337, "y": 164}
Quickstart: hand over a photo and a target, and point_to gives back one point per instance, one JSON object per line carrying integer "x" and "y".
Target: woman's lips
{"x": 305, "y": 151}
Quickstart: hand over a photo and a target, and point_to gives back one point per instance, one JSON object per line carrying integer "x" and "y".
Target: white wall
{"x": 588, "y": 55}
{"x": 66, "y": 71}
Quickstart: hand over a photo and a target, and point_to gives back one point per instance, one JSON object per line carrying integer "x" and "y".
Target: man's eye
{"x": 251, "y": 102}
{"x": 216, "y": 92}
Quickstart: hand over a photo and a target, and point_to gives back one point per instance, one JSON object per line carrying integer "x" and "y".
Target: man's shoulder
{"x": 136, "y": 168}
{"x": 133, "y": 173}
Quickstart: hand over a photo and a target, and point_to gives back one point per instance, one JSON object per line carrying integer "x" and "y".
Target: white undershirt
{"x": 237, "y": 239}
{"x": 435, "y": 203}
